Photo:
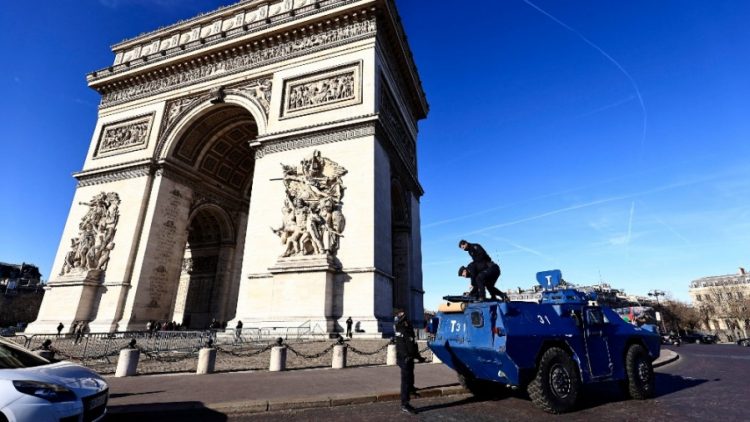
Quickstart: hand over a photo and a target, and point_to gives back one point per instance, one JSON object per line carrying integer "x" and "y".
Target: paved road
{"x": 708, "y": 381}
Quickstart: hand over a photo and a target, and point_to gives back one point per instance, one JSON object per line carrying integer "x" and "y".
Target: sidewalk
{"x": 260, "y": 391}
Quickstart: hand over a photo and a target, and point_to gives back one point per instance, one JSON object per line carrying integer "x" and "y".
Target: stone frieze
{"x": 243, "y": 59}
{"x": 124, "y": 136}
{"x": 322, "y": 91}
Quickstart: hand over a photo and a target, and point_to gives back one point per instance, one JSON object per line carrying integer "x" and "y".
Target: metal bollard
{"x": 390, "y": 357}
{"x": 278, "y": 359}
{"x": 206, "y": 361}
{"x": 127, "y": 364}
{"x": 339, "y": 357}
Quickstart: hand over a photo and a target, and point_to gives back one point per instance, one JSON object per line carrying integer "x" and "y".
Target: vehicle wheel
{"x": 479, "y": 388}
{"x": 640, "y": 373}
{"x": 555, "y": 387}
{"x": 746, "y": 343}
{"x": 697, "y": 341}
{"x": 3, "y": 418}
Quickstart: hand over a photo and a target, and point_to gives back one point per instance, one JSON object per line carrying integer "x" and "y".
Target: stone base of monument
{"x": 69, "y": 298}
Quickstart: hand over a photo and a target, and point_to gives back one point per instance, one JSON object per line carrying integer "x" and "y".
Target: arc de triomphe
{"x": 255, "y": 163}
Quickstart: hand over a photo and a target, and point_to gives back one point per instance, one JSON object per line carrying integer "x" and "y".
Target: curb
{"x": 673, "y": 357}
{"x": 259, "y": 406}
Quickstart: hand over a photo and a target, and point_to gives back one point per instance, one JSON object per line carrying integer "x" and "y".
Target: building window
{"x": 697, "y": 298}
{"x": 739, "y": 295}
{"x": 729, "y": 295}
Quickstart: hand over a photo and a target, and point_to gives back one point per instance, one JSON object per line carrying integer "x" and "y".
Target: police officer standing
{"x": 406, "y": 352}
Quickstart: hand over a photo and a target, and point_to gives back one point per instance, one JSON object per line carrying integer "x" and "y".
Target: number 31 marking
{"x": 543, "y": 319}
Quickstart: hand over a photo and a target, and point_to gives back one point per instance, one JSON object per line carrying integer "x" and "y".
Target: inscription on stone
{"x": 166, "y": 248}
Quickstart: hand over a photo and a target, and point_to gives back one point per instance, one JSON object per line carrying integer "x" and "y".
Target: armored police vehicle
{"x": 551, "y": 348}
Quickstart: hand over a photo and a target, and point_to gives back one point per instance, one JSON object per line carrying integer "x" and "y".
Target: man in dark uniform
{"x": 406, "y": 352}
{"x": 488, "y": 279}
{"x": 481, "y": 267}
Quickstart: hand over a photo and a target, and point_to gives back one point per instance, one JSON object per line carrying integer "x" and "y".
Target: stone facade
{"x": 263, "y": 157}
{"x": 724, "y": 304}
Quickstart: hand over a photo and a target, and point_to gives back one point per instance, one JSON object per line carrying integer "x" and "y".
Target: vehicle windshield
{"x": 12, "y": 357}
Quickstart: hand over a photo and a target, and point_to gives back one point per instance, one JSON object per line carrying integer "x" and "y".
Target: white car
{"x": 32, "y": 389}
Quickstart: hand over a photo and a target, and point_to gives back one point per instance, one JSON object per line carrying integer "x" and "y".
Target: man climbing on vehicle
{"x": 482, "y": 271}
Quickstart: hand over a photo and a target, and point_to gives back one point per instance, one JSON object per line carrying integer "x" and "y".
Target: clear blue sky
{"x": 607, "y": 139}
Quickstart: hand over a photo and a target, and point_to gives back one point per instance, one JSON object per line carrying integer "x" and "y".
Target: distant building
{"x": 724, "y": 304}
{"x": 13, "y": 276}
{"x": 21, "y": 293}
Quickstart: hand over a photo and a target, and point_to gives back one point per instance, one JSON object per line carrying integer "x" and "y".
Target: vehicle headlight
{"x": 50, "y": 392}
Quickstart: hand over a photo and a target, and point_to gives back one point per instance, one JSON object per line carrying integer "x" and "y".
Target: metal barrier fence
{"x": 96, "y": 346}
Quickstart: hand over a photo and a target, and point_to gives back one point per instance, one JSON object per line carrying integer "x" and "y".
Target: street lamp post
{"x": 656, "y": 294}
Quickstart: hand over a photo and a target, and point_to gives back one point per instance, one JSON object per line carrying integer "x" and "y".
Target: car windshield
{"x": 12, "y": 357}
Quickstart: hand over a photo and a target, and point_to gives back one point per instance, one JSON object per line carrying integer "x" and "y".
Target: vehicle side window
{"x": 13, "y": 358}
{"x": 476, "y": 319}
{"x": 594, "y": 316}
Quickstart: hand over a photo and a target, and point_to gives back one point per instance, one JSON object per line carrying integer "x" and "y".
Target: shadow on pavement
{"x": 668, "y": 384}
{"x": 118, "y": 395}
{"x": 461, "y": 402}
{"x": 164, "y": 412}
{"x": 596, "y": 395}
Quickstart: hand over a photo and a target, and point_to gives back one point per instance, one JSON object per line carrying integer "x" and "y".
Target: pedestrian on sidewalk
{"x": 238, "y": 331}
{"x": 349, "y": 323}
{"x": 60, "y": 327}
{"x": 406, "y": 352}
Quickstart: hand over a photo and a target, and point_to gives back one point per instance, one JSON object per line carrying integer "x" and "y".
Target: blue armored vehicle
{"x": 550, "y": 348}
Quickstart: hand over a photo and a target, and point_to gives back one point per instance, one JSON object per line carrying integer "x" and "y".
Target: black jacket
{"x": 478, "y": 256}
{"x": 406, "y": 342}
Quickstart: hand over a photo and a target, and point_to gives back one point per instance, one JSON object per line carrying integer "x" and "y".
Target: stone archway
{"x": 210, "y": 133}
{"x": 203, "y": 283}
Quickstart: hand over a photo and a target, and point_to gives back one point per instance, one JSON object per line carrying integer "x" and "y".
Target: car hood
{"x": 83, "y": 381}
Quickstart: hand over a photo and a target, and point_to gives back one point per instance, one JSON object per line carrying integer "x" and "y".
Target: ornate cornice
{"x": 240, "y": 58}
{"x": 321, "y": 137}
{"x": 218, "y": 26}
{"x": 108, "y": 175}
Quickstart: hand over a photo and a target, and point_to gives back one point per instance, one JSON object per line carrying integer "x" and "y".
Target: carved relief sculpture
{"x": 323, "y": 91}
{"x": 95, "y": 241}
{"x": 312, "y": 222}
{"x": 124, "y": 136}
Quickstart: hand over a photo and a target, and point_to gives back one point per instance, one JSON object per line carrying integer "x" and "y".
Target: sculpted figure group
{"x": 91, "y": 249}
{"x": 312, "y": 221}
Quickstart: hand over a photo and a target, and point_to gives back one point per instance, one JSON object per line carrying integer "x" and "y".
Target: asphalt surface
{"x": 234, "y": 395}
{"x": 708, "y": 382}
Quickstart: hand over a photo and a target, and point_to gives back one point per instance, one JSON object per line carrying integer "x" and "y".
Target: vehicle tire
{"x": 746, "y": 343}
{"x": 639, "y": 372}
{"x": 555, "y": 387}
{"x": 697, "y": 341}
{"x": 3, "y": 418}
{"x": 479, "y": 388}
